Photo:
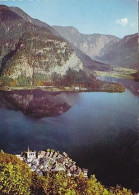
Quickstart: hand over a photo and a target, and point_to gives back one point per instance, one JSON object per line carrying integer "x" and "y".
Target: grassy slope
{"x": 124, "y": 73}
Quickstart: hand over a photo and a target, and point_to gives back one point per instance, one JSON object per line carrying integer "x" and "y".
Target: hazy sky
{"x": 117, "y": 17}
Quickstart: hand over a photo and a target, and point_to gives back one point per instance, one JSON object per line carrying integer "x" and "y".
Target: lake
{"x": 99, "y": 131}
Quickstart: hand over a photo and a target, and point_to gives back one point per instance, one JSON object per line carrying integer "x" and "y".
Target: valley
{"x": 123, "y": 73}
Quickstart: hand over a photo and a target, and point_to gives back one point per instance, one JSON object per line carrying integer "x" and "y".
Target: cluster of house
{"x": 51, "y": 161}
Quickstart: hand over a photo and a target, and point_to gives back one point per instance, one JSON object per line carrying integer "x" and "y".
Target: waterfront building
{"x": 50, "y": 161}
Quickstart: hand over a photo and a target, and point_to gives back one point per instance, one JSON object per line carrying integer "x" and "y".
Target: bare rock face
{"x": 104, "y": 48}
{"x": 30, "y": 49}
{"x": 123, "y": 53}
{"x": 38, "y": 54}
{"x": 85, "y": 59}
{"x": 93, "y": 45}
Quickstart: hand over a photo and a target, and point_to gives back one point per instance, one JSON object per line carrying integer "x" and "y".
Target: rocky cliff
{"x": 93, "y": 45}
{"x": 123, "y": 53}
{"x": 31, "y": 52}
{"x": 85, "y": 59}
{"x": 107, "y": 49}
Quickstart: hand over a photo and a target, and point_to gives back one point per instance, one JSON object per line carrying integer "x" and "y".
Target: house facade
{"x": 51, "y": 161}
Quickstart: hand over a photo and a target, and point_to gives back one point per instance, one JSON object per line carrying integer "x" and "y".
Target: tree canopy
{"x": 16, "y": 178}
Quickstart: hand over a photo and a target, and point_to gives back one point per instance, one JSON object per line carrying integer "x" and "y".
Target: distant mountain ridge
{"x": 123, "y": 53}
{"x": 86, "y": 60}
{"x": 90, "y": 64}
{"x": 107, "y": 49}
{"x": 27, "y": 18}
{"x": 91, "y": 44}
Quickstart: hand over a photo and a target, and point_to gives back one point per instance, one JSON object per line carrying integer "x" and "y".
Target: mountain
{"x": 93, "y": 45}
{"x": 89, "y": 64}
{"x": 86, "y": 60}
{"x": 105, "y": 49}
{"x": 32, "y": 52}
{"x": 27, "y": 18}
{"x": 10, "y": 28}
{"x": 124, "y": 53}
{"x": 33, "y": 55}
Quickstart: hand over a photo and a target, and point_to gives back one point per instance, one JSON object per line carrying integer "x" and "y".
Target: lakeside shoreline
{"x": 62, "y": 89}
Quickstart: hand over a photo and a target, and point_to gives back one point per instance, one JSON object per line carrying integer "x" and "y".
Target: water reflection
{"x": 99, "y": 132}
{"x": 36, "y": 103}
{"x": 114, "y": 159}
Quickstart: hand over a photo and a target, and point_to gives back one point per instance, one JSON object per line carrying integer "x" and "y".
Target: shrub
{"x": 16, "y": 178}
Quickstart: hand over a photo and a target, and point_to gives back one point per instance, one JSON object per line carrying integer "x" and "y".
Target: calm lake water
{"x": 99, "y": 132}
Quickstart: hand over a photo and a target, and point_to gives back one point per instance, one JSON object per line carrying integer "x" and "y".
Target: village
{"x": 51, "y": 161}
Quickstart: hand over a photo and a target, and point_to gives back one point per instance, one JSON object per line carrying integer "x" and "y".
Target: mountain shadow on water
{"x": 114, "y": 161}
{"x": 36, "y": 103}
